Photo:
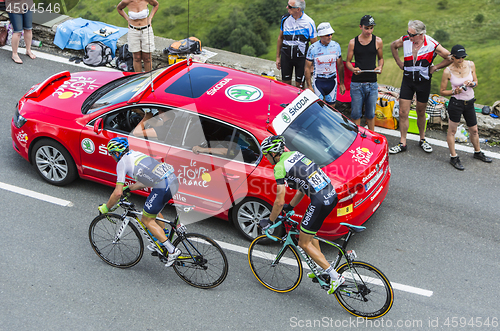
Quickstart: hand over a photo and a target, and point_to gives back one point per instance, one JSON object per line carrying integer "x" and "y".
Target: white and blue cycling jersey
{"x": 297, "y": 32}
{"x": 324, "y": 59}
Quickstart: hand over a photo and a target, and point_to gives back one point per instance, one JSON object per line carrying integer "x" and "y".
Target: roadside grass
{"x": 474, "y": 25}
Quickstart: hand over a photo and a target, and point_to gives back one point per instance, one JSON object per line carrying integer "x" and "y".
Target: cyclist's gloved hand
{"x": 265, "y": 223}
{"x": 287, "y": 208}
{"x": 126, "y": 192}
{"x": 103, "y": 209}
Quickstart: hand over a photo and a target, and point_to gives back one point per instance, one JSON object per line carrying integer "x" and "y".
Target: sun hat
{"x": 325, "y": 29}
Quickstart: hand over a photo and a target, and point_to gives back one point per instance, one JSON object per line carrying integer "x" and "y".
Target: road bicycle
{"x": 116, "y": 239}
{"x": 276, "y": 264}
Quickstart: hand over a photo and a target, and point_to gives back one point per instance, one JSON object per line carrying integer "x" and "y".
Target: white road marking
{"x": 396, "y": 286}
{"x": 434, "y": 142}
{"x": 36, "y": 195}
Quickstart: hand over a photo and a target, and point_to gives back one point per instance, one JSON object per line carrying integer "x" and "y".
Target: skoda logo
{"x": 88, "y": 146}
{"x": 285, "y": 118}
{"x": 244, "y": 93}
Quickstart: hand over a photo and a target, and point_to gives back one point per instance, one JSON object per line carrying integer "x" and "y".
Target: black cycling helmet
{"x": 273, "y": 144}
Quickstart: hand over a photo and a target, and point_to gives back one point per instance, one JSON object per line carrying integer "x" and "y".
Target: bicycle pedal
{"x": 324, "y": 277}
{"x": 154, "y": 253}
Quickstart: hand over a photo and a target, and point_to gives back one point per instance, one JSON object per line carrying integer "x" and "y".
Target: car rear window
{"x": 196, "y": 82}
{"x": 321, "y": 134}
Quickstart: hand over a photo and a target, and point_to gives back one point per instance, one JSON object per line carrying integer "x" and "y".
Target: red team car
{"x": 207, "y": 121}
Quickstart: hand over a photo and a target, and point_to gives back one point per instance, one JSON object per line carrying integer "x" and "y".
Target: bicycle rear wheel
{"x": 275, "y": 266}
{"x": 366, "y": 291}
{"x": 203, "y": 263}
{"x": 122, "y": 253}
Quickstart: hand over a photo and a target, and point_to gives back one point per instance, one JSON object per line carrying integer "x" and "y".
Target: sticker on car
{"x": 293, "y": 110}
{"x": 88, "y": 146}
{"x": 244, "y": 93}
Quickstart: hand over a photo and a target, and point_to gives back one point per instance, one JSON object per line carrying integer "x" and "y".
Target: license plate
{"x": 345, "y": 210}
{"x": 372, "y": 182}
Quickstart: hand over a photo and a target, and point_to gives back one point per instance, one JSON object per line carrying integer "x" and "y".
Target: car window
{"x": 151, "y": 123}
{"x": 216, "y": 138}
{"x": 320, "y": 133}
{"x": 111, "y": 94}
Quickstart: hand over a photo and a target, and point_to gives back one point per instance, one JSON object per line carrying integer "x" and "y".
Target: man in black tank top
{"x": 364, "y": 88}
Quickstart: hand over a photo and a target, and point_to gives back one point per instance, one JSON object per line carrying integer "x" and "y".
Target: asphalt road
{"x": 437, "y": 231}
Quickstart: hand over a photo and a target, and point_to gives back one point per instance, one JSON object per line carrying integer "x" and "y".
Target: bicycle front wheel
{"x": 124, "y": 252}
{"x": 275, "y": 266}
{"x": 202, "y": 263}
{"x": 366, "y": 292}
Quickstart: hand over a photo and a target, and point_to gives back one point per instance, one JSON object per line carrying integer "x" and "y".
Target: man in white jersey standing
{"x": 296, "y": 30}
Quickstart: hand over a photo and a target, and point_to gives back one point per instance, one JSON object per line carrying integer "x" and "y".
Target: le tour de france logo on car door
{"x": 88, "y": 146}
{"x": 244, "y": 93}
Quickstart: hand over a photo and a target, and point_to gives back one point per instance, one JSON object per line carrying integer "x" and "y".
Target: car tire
{"x": 53, "y": 162}
{"x": 247, "y": 214}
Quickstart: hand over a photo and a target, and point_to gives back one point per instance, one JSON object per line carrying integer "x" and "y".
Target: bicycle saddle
{"x": 354, "y": 228}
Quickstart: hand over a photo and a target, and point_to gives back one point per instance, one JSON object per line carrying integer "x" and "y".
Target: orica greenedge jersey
{"x": 300, "y": 173}
{"x": 142, "y": 168}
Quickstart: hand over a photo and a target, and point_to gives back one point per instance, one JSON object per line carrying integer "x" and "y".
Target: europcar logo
{"x": 244, "y": 93}
{"x": 88, "y": 146}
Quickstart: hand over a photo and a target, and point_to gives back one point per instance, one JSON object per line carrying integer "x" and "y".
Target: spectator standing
{"x": 462, "y": 76}
{"x": 323, "y": 60}
{"x": 365, "y": 48}
{"x": 419, "y": 50}
{"x": 296, "y": 30}
{"x": 140, "y": 33}
{"x": 21, "y": 18}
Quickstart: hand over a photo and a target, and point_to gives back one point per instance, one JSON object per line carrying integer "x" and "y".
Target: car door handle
{"x": 231, "y": 177}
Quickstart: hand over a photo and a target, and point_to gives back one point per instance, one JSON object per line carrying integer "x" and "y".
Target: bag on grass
{"x": 97, "y": 54}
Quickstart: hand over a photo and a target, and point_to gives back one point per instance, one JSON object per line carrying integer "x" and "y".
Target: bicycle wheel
{"x": 203, "y": 263}
{"x": 366, "y": 291}
{"x": 276, "y": 267}
{"x": 126, "y": 251}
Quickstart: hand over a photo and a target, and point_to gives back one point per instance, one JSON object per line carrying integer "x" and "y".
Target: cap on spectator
{"x": 458, "y": 51}
{"x": 325, "y": 29}
{"x": 367, "y": 20}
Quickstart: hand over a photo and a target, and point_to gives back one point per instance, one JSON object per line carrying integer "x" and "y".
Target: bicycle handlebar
{"x": 281, "y": 220}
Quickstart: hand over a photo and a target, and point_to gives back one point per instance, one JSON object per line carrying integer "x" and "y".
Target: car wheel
{"x": 247, "y": 214}
{"x": 53, "y": 162}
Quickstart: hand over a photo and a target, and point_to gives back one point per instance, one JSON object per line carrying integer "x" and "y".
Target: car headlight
{"x": 19, "y": 121}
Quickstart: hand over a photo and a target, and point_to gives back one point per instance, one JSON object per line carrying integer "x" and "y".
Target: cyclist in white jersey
{"x": 147, "y": 172}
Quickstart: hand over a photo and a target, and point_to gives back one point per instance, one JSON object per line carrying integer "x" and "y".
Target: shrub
{"x": 248, "y": 50}
{"x": 479, "y": 18}
{"x": 441, "y": 36}
{"x": 443, "y": 4}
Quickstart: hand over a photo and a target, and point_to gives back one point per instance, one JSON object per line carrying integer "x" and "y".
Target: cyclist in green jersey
{"x": 299, "y": 173}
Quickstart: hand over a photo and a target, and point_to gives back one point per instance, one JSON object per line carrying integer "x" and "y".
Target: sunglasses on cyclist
{"x": 290, "y": 7}
{"x": 413, "y": 35}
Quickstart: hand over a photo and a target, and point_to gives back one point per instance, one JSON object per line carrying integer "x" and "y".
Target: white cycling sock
{"x": 169, "y": 246}
{"x": 333, "y": 274}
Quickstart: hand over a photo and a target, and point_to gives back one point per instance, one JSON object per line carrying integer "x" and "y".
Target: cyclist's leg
{"x": 316, "y": 213}
{"x": 160, "y": 195}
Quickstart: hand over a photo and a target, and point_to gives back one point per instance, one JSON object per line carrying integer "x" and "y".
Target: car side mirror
{"x": 98, "y": 126}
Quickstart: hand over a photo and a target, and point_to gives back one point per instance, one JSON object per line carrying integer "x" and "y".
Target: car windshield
{"x": 117, "y": 91}
{"x": 321, "y": 134}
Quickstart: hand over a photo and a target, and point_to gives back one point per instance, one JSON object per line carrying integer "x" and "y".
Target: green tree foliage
{"x": 248, "y": 27}
{"x": 236, "y": 32}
